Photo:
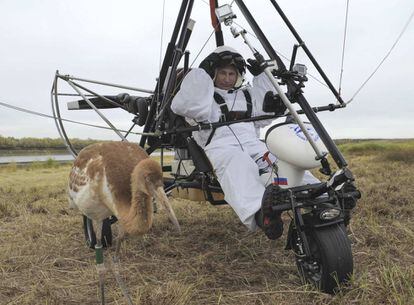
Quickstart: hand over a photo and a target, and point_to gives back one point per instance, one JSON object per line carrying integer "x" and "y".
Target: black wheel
{"x": 331, "y": 263}
{"x": 90, "y": 236}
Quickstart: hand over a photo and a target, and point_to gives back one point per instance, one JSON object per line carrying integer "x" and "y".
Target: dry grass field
{"x": 44, "y": 259}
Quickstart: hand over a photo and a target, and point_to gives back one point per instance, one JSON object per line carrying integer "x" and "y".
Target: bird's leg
{"x": 100, "y": 267}
{"x": 142, "y": 239}
{"x": 119, "y": 239}
{"x": 155, "y": 207}
{"x": 116, "y": 265}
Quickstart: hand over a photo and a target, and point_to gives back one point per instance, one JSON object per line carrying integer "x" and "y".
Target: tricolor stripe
{"x": 280, "y": 181}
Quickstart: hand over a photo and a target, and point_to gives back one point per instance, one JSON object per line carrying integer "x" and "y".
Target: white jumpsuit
{"x": 235, "y": 151}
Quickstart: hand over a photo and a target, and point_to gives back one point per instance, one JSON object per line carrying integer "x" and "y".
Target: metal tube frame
{"x": 157, "y": 124}
{"x": 178, "y": 53}
{"x": 164, "y": 70}
{"x": 216, "y": 24}
{"x": 97, "y": 95}
{"x": 172, "y": 57}
{"x": 94, "y": 94}
{"x": 170, "y": 48}
{"x": 202, "y": 126}
{"x": 292, "y": 111}
{"x": 56, "y": 112}
{"x": 96, "y": 110}
{"x": 293, "y": 58}
{"x": 74, "y": 94}
{"x": 314, "y": 120}
{"x": 308, "y": 52}
{"x": 288, "y": 104}
{"x": 261, "y": 36}
{"x": 59, "y": 120}
{"x": 69, "y": 77}
{"x": 57, "y": 117}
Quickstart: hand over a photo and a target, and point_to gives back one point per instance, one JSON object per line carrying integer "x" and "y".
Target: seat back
{"x": 190, "y": 155}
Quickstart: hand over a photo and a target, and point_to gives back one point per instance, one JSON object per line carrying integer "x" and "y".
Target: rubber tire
{"x": 332, "y": 249}
{"x": 90, "y": 236}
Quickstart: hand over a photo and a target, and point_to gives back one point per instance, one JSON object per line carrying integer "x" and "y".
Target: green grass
{"x": 44, "y": 260}
{"x": 384, "y": 150}
{"x": 359, "y": 146}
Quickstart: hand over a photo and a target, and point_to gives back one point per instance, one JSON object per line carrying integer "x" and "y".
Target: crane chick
{"x": 117, "y": 178}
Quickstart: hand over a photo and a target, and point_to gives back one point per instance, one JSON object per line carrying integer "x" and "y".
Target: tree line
{"x": 10, "y": 143}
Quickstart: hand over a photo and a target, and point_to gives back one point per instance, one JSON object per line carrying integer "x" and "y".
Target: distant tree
{"x": 29, "y": 143}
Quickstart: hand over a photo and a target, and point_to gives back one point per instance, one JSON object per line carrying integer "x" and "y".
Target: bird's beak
{"x": 161, "y": 197}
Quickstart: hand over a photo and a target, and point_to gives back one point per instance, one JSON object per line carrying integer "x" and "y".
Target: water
{"x": 35, "y": 158}
{"x": 56, "y": 157}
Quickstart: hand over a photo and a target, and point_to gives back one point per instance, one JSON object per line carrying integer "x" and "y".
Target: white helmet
{"x": 224, "y": 56}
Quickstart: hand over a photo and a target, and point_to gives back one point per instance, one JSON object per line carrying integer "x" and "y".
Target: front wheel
{"x": 331, "y": 262}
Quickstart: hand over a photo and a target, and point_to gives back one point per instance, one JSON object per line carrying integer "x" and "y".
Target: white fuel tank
{"x": 288, "y": 143}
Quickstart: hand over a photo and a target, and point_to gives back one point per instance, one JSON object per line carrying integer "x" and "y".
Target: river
{"x": 56, "y": 157}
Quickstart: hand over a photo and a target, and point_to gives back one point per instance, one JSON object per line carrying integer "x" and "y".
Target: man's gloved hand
{"x": 273, "y": 103}
{"x": 254, "y": 67}
{"x": 209, "y": 64}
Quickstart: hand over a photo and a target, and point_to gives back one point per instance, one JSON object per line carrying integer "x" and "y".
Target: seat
{"x": 202, "y": 174}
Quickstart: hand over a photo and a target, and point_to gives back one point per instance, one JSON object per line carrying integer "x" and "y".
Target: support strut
{"x": 305, "y": 48}
{"x": 168, "y": 57}
{"x": 314, "y": 120}
{"x": 215, "y": 23}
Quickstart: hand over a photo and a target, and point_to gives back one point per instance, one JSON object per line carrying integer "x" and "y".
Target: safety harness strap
{"x": 249, "y": 104}
{"x": 227, "y": 116}
{"x": 223, "y": 106}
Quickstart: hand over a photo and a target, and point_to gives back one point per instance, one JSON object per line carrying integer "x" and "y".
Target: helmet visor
{"x": 234, "y": 59}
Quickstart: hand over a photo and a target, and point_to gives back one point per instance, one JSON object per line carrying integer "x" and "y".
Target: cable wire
{"x": 202, "y": 48}
{"x": 66, "y": 120}
{"x": 162, "y": 34}
{"x": 385, "y": 57}
{"x": 160, "y": 59}
{"x": 280, "y": 54}
{"x": 343, "y": 49}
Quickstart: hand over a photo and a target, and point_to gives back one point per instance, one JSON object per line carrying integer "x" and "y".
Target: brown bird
{"x": 117, "y": 178}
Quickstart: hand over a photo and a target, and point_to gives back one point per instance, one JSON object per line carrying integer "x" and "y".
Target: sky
{"x": 120, "y": 42}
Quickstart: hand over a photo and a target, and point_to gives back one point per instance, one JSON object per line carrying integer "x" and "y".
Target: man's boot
{"x": 268, "y": 220}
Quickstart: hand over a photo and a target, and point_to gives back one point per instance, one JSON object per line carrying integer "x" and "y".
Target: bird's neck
{"x": 138, "y": 219}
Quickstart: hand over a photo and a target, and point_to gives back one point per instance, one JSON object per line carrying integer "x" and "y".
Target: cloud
{"x": 120, "y": 42}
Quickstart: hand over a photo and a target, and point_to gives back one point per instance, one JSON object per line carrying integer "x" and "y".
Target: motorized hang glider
{"x": 320, "y": 212}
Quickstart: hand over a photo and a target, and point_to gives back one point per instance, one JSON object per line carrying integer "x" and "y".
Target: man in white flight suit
{"x": 213, "y": 93}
